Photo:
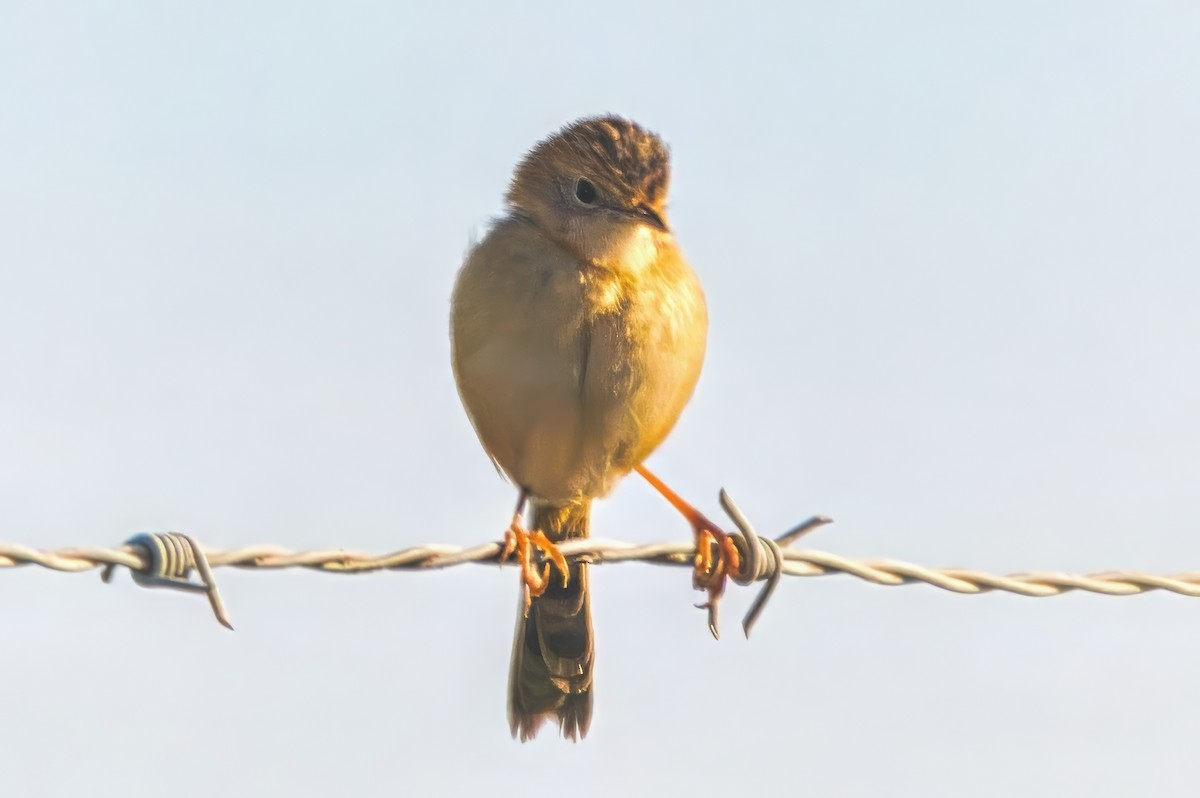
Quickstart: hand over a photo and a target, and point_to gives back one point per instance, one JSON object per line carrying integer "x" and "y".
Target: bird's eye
{"x": 585, "y": 192}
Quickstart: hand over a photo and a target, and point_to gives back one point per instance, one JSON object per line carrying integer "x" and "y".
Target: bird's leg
{"x": 522, "y": 542}
{"x": 716, "y": 554}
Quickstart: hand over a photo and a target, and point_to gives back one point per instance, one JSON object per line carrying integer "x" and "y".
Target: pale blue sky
{"x": 951, "y": 252}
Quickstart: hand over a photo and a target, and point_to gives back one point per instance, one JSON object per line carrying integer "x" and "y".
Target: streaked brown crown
{"x": 626, "y": 162}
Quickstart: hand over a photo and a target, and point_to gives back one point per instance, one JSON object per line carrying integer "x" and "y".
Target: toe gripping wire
{"x": 761, "y": 560}
{"x": 169, "y": 560}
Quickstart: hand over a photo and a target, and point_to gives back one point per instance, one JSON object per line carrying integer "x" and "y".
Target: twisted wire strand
{"x": 794, "y": 562}
{"x": 167, "y": 559}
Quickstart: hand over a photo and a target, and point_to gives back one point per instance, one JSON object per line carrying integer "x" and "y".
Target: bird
{"x": 578, "y": 332}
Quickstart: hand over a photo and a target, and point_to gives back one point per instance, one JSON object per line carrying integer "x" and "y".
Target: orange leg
{"x": 716, "y": 554}
{"x": 522, "y": 542}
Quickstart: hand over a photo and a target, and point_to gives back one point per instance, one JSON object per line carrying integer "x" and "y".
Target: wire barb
{"x": 761, "y": 560}
{"x": 168, "y": 561}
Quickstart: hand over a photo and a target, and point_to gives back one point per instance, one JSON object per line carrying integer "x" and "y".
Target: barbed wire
{"x": 166, "y": 560}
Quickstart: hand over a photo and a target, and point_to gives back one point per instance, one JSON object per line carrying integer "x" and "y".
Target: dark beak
{"x": 650, "y": 216}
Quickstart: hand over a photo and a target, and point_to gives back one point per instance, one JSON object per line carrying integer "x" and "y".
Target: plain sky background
{"x": 952, "y": 258}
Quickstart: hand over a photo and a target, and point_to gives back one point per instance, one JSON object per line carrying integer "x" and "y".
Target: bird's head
{"x": 599, "y": 187}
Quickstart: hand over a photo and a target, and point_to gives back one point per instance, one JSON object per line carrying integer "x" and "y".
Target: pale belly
{"x": 572, "y": 377}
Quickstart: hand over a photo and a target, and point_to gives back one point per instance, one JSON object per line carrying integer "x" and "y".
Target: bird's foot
{"x": 717, "y": 556}
{"x": 522, "y": 542}
{"x": 717, "y": 559}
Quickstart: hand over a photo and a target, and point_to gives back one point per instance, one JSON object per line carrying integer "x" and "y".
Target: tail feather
{"x": 551, "y": 670}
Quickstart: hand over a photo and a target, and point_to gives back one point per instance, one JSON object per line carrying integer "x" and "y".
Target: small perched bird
{"x": 578, "y": 332}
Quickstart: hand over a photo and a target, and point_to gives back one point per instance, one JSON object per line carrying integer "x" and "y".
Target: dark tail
{"x": 551, "y": 670}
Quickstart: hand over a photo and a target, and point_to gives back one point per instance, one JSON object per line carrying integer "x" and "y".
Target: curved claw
{"x": 539, "y": 541}
{"x": 520, "y": 541}
{"x": 717, "y": 559}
